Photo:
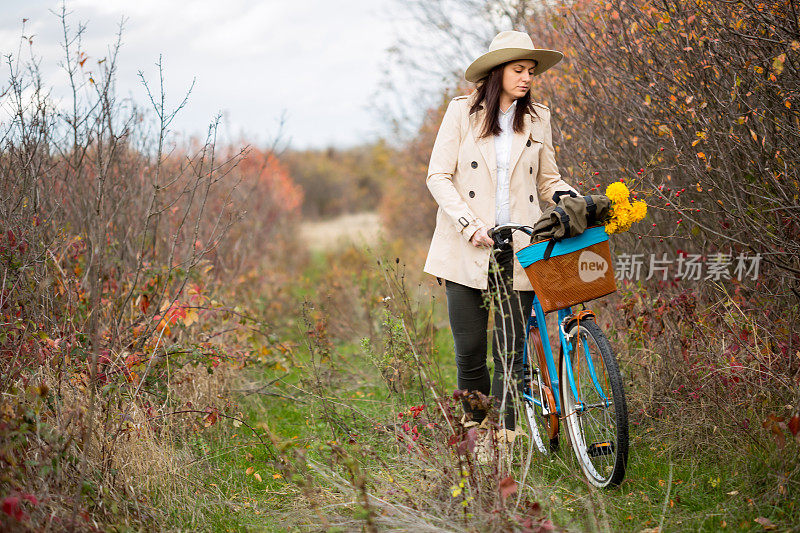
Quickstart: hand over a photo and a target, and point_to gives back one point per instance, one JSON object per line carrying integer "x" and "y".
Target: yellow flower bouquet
{"x": 623, "y": 212}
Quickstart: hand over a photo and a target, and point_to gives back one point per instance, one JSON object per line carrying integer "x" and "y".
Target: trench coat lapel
{"x": 485, "y": 144}
{"x": 518, "y": 144}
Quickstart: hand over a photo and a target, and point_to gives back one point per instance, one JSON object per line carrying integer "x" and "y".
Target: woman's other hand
{"x": 481, "y": 238}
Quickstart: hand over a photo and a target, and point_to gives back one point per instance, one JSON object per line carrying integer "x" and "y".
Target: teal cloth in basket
{"x": 535, "y": 252}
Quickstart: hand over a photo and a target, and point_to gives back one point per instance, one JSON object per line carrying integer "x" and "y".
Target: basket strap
{"x": 549, "y": 249}
{"x": 591, "y": 209}
{"x": 564, "y": 217}
{"x": 564, "y": 220}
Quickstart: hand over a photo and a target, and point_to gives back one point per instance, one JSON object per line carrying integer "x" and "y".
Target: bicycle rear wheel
{"x": 597, "y": 419}
{"x": 543, "y": 428}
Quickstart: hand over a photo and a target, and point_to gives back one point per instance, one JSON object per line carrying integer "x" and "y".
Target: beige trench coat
{"x": 462, "y": 177}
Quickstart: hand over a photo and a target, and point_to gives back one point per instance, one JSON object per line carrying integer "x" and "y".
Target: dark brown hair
{"x": 489, "y": 90}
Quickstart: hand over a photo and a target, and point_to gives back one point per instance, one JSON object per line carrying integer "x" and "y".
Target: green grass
{"x": 694, "y": 489}
{"x": 705, "y": 494}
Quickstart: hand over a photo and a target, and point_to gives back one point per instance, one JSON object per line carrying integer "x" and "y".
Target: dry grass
{"x": 357, "y": 228}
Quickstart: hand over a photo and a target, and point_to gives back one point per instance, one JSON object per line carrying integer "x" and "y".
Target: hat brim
{"x": 485, "y": 63}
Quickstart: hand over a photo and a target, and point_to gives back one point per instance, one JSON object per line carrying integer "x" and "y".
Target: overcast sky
{"x": 319, "y": 62}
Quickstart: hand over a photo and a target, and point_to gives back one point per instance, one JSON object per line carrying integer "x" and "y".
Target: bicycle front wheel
{"x": 593, "y": 403}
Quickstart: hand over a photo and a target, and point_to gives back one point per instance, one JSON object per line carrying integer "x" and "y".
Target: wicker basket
{"x": 570, "y": 271}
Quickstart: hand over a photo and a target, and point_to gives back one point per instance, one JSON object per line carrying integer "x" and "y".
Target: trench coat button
{"x": 531, "y": 170}
{"x": 472, "y": 194}
{"x": 474, "y": 164}
{"x": 528, "y": 143}
{"x": 531, "y": 198}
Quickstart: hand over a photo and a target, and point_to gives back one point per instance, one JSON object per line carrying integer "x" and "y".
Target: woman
{"x": 492, "y": 161}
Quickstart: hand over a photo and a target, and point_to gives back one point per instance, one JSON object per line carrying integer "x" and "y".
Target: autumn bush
{"x": 340, "y": 181}
{"x": 699, "y": 100}
{"x": 118, "y": 249}
{"x": 407, "y": 209}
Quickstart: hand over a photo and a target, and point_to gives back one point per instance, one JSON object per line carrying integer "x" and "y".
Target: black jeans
{"x": 468, "y": 309}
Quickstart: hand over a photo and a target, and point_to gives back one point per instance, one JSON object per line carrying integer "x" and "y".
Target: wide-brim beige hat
{"x": 508, "y": 46}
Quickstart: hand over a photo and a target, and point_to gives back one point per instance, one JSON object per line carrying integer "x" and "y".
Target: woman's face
{"x": 517, "y": 77}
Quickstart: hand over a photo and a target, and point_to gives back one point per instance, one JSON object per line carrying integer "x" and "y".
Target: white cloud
{"x": 317, "y": 60}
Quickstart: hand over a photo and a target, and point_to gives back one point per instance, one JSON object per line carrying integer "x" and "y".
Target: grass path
{"x": 691, "y": 492}
{"x": 678, "y": 490}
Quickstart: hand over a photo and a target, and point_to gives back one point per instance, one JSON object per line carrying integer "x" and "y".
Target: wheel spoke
{"x": 540, "y": 426}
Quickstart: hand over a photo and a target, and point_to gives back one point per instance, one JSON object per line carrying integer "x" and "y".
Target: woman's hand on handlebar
{"x": 481, "y": 239}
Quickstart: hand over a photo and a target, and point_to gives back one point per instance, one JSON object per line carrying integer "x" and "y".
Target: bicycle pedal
{"x": 597, "y": 449}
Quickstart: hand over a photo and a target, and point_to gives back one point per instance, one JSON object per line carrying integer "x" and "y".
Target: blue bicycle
{"x": 590, "y": 398}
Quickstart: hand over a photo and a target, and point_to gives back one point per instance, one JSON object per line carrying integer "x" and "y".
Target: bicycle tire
{"x": 543, "y": 429}
{"x": 599, "y": 433}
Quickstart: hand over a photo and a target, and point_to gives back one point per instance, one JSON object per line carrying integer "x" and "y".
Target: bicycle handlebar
{"x": 512, "y": 226}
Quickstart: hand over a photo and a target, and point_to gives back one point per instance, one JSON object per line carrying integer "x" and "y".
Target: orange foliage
{"x": 272, "y": 177}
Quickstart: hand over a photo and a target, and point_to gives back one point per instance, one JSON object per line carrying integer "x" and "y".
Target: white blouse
{"x": 502, "y": 147}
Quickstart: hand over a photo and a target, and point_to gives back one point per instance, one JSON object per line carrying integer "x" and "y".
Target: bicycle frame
{"x": 537, "y": 320}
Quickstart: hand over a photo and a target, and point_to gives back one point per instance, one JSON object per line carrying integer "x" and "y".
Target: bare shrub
{"x": 112, "y": 260}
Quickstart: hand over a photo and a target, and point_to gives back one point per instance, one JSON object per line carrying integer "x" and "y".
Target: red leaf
{"x": 507, "y": 487}
{"x": 31, "y": 498}
{"x": 466, "y": 443}
{"x": 211, "y": 419}
{"x": 472, "y": 438}
{"x": 104, "y": 357}
{"x": 11, "y": 508}
{"x": 535, "y": 509}
{"x": 132, "y": 359}
{"x": 794, "y": 424}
